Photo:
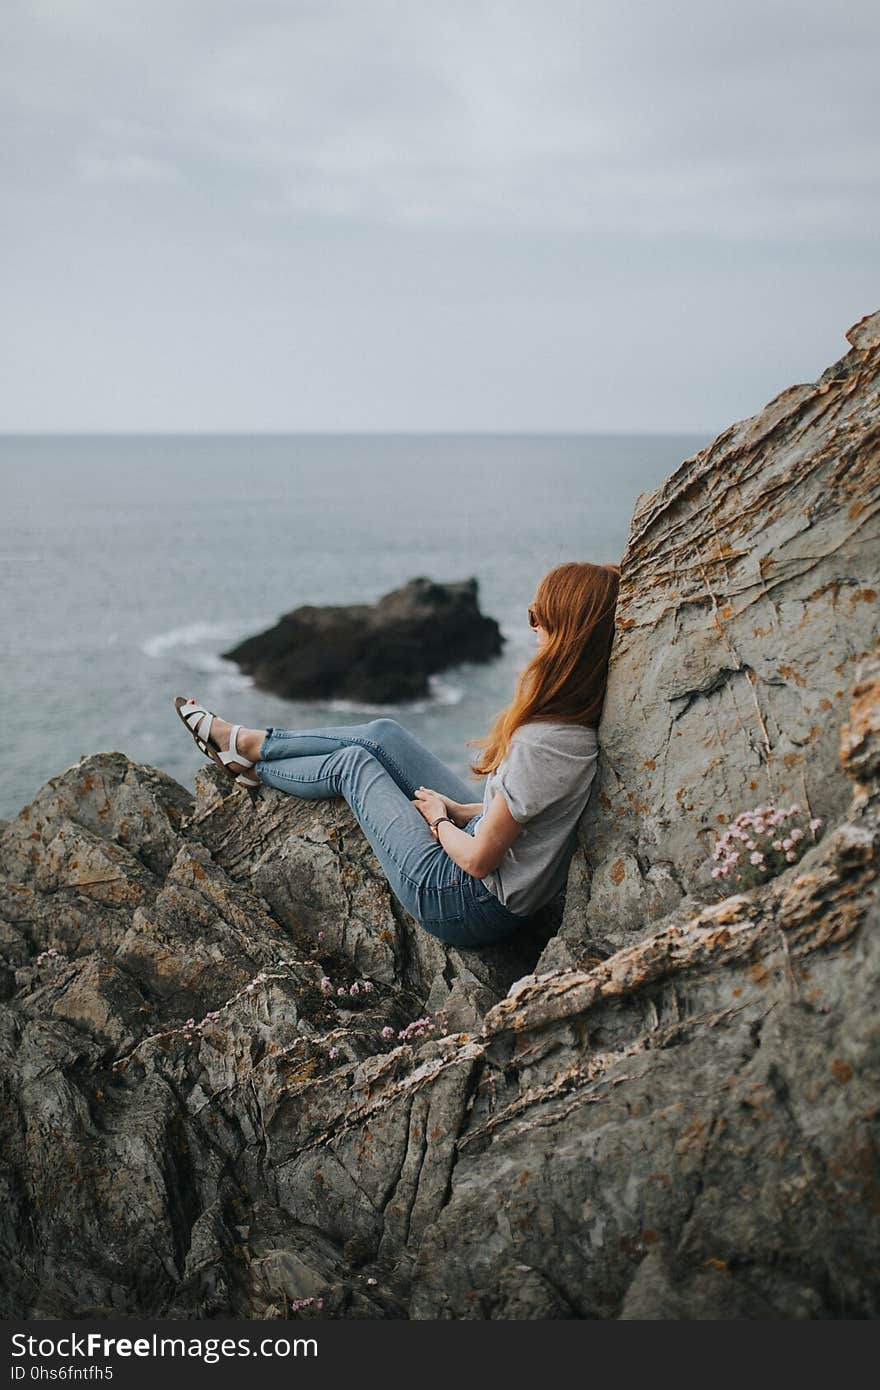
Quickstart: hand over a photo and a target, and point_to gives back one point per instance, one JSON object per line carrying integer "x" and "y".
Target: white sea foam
{"x": 444, "y": 692}
{"x": 199, "y": 634}
{"x": 223, "y": 675}
{"x": 190, "y": 635}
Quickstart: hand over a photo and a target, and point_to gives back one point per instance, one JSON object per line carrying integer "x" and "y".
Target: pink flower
{"x": 777, "y": 844}
{"x": 756, "y": 858}
{"x": 299, "y": 1303}
{"x": 791, "y": 856}
{"x": 787, "y": 842}
{"x": 419, "y": 1028}
{"x": 794, "y": 810}
{"x": 796, "y": 835}
{"x": 320, "y": 936}
{"x": 367, "y": 987}
{"x": 387, "y": 1032}
{"x": 815, "y": 823}
{"x": 333, "y": 1053}
{"x": 342, "y": 990}
{"x": 718, "y": 872}
{"x": 327, "y": 985}
{"x": 355, "y": 988}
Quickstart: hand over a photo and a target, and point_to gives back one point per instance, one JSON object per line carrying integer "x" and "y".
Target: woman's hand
{"x": 431, "y": 804}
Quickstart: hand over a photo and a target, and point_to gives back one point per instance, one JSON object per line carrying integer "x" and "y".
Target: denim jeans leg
{"x": 401, "y": 840}
{"x": 376, "y": 767}
{"x": 407, "y": 760}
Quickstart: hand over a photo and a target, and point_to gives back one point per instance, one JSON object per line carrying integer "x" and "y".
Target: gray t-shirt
{"x": 546, "y": 778}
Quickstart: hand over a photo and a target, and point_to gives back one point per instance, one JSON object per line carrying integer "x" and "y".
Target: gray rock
{"x": 749, "y": 592}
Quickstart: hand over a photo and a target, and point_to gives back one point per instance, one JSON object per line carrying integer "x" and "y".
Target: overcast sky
{"x": 431, "y": 214}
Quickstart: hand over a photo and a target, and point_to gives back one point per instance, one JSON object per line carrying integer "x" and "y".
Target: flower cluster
{"x": 760, "y": 844}
{"x": 53, "y": 955}
{"x": 420, "y": 1027}
{"x": 192, "y": 1031}
{"x": 299, "y": 1303}
{"x": 351, "y": 991}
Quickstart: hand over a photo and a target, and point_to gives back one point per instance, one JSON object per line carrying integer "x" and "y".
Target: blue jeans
{"x": 376, "y": 767}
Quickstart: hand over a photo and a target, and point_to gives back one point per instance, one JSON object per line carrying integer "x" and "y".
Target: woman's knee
{"x": 383, "y": 729}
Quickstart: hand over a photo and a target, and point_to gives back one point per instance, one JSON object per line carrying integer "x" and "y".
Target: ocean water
{"x": 130, "y": 562}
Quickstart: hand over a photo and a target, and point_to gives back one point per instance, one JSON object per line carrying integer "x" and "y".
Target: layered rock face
{"x": 667, "y": 1110}
{"x": 749, "y": 592}
{"x": 378, "y": 653}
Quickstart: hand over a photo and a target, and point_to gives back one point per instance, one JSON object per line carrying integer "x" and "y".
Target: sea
{"x": 129, "y": 563}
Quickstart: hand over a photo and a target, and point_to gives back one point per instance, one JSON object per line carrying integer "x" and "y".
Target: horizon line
{"x": 346, "y": 434}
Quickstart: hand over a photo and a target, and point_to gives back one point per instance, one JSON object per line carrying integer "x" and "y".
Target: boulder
{"x": 376, "y": 653}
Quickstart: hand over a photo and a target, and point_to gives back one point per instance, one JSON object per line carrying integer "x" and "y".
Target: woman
{"x": 470, "y": 872}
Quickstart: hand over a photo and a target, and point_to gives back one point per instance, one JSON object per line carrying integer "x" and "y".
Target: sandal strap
{"x": 191, "y": 708}
{"x": 198, "y": 720}
{"x": 232, "y": 755}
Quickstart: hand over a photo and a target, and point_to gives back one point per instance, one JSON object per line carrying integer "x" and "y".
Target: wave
{"x": 224, "y": 675}
{"x": 194, "y": 635}
{"x": 190, "y": 635}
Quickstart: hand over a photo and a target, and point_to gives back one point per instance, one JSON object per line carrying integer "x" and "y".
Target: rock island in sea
{"x": 377, "y": 653}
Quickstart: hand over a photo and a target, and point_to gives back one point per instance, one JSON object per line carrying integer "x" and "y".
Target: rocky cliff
{"x": 218, "y": 1097}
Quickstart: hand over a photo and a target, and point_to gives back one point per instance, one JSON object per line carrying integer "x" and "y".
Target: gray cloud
{"x": 543, "y": 214}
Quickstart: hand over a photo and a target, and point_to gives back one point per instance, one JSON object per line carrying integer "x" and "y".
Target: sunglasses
{"x": 533, "y": 621}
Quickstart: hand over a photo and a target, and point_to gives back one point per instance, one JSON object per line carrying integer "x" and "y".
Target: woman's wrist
{"x": 437, "y": 822}
{"x": 461, "y": 847}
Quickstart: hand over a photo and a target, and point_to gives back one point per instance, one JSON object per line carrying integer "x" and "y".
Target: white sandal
{"x": 199, "y": 720}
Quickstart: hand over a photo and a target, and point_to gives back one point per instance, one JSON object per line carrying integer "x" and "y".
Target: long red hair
{"x": 565, "y": 680}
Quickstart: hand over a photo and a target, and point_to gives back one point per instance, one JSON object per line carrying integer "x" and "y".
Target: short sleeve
{"x": 532, "y": 777}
